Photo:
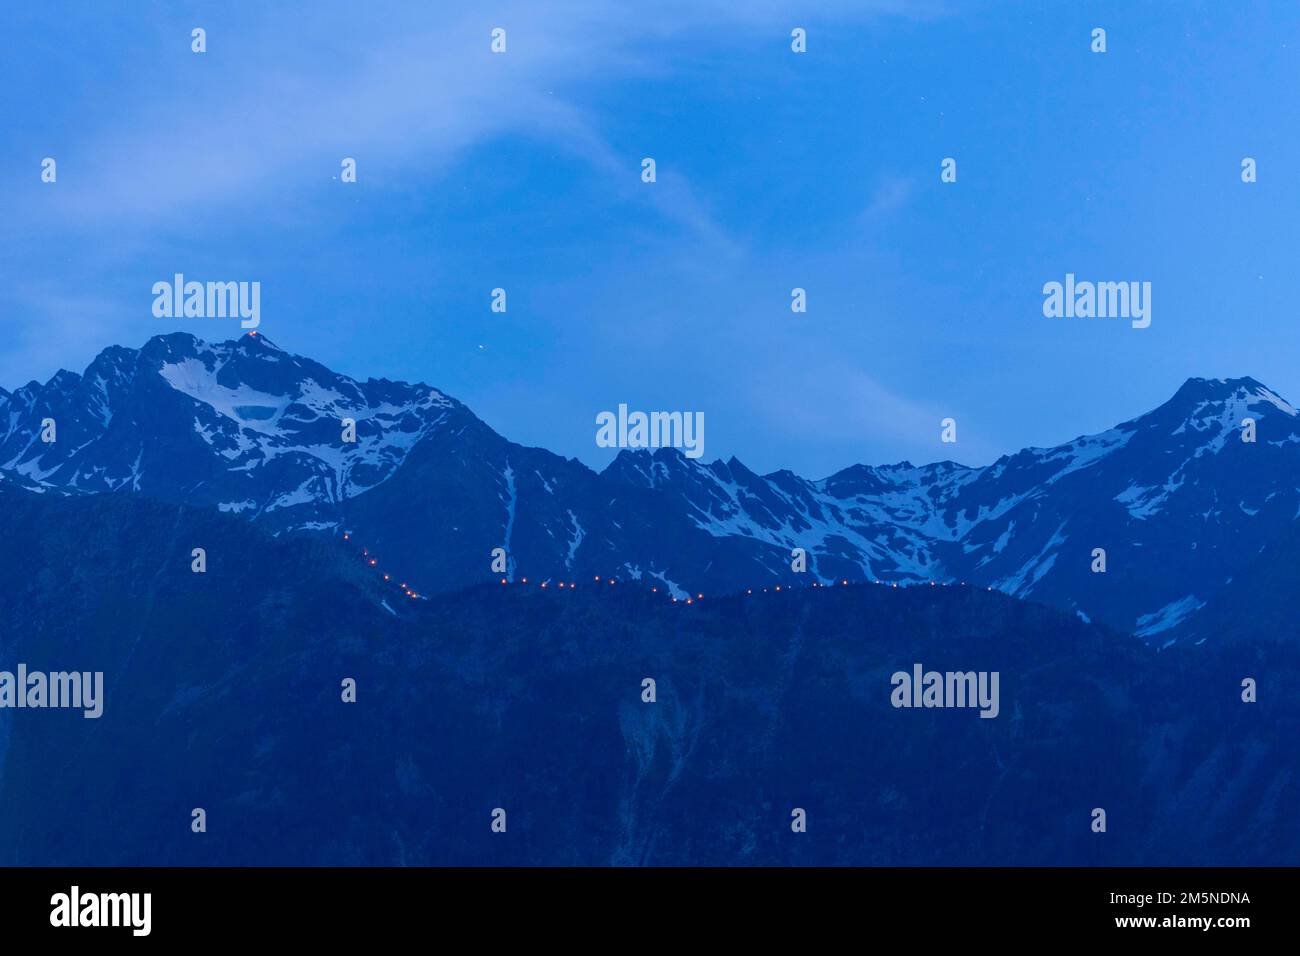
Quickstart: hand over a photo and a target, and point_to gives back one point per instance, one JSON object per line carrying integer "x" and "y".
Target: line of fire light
{"x": 572, "y": 585}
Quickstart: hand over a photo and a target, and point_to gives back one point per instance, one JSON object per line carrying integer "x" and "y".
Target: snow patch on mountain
{"x": 1167, "y": 616}
{"x": 1084, "y": 452}
{"x": 247, "y": 407}
{"x": 1143, "y": 502}
{"x": 1021, "y": 584}
{"x": 511, "y": 501}
{"x": 576, "y": 540}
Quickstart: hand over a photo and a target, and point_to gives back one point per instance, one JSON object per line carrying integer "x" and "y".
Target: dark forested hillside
{"x": 223, "y": 691}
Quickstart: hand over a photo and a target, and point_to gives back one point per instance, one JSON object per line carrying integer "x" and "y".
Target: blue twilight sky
{"x": 775, "y": 170}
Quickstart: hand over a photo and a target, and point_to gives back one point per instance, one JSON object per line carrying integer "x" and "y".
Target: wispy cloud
{"x": 834, "y": 402}
{"x": 890, "y": 195}
{"x": 248, "y": 134}
{"x": 278, "y": 95}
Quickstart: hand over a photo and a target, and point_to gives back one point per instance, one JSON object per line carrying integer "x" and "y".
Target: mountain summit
{"x": 1175, "y": 498}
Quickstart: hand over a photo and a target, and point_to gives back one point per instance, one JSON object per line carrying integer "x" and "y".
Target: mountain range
{"x": 1180, "y": 503}
{"x": 329, "y": 561}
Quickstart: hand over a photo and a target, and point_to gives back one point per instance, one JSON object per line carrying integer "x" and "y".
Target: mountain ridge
{"x": 63, "y": 374}
{"x": 251, "y": 429}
